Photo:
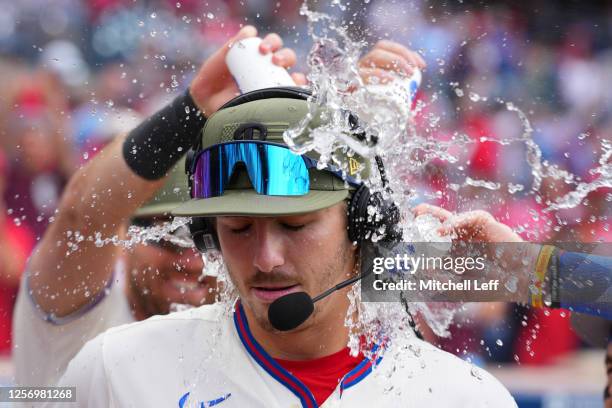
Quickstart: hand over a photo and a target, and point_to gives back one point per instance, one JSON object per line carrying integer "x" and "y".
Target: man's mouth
{"x": 269, "y": 293}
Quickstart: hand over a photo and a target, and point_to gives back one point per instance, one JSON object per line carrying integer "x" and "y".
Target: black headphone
{"x": 362, "y": 224}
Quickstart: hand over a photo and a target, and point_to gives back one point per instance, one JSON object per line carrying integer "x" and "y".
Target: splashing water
{"x": 212, "y": 260}
{"x": 135, "y": 235}
{"x": 604, "y": 171}
{"x": 156, "y": 233}
{"x": 384, "y": 115}
{"x": 391, "y": 133}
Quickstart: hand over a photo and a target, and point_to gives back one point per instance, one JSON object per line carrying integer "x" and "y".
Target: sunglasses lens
{"x": 273, "y": 170}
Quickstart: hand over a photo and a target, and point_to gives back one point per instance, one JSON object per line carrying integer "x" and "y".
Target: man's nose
{"x": 268, "y": 248}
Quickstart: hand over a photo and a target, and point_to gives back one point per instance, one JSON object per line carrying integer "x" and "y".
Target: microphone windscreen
{"x": 289, "y": 311}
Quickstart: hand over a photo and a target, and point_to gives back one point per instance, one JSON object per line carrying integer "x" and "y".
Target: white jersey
{"x": 43, "y": 345}
{"x": 203, "y": 358}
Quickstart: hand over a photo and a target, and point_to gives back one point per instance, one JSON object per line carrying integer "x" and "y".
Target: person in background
{"x": 40, "y": 161}
{"x": 16, "y": 242}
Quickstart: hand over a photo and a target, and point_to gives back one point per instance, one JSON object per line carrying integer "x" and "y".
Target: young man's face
{"x": 268, "y": 257}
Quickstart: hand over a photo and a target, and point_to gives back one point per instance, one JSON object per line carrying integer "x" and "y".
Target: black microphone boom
{"x": 289, "y": 311}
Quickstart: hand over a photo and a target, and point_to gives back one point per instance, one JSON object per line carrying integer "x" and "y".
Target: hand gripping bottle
{"x": 252, "y": 70}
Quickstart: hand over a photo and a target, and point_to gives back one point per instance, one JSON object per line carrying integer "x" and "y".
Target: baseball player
{"x": 74, "y": 289}
{"x": 287, "y": 231}
{"x": 141, "y": 283}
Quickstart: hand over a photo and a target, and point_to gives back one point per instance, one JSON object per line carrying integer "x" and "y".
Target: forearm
{"x": 584, "y": 283}
{"x": 64, "y": 274}
{"x": 71, "y": 265}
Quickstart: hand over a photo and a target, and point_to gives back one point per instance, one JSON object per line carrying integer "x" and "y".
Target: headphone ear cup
{"x": 387, "y": 219}
{"x": 363, "y": 225}
{"x": 204, "y": 234}
{"x": 357, "y": 214}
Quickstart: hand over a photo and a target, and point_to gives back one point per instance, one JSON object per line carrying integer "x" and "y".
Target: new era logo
{"x": 354, "y": 166}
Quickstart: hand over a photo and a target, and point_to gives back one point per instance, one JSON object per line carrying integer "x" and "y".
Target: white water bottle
{"x": 396, "y": 95}
{"x": 252, "y": 70}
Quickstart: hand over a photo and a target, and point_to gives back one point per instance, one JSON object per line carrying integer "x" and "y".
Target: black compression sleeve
{"x": 154, "y": 146}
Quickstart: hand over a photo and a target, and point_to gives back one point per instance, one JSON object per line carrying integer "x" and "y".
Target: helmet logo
{"x": 251, "y": 131}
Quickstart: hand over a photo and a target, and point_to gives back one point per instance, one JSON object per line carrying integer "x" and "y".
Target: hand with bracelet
{"x": 579, "y": 282}
{"x": 545, "y": 275}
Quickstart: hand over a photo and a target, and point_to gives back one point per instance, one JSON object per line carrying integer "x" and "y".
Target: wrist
{"x": 198, "y": 96}
{"x": 158, "y": 143}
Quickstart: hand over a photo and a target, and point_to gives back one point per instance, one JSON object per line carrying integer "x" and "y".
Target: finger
{"x": 438, "y": 212}
{"x": 375, "y": 75}
{"x": 285, "y": 57}
{"x": 397, "y": 48}
{"x": 446, "y": 230}
{"x": 271, "y": 43}
{"x": 245, "y": 32}
{"x": 215, "y": 67}
{"x": 299, "y": 79}
{"x": 473, "y": 219}
{"x": 379, "y": 58}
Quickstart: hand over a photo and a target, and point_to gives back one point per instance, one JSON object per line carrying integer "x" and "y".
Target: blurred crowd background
{"x": 74, "y": 73}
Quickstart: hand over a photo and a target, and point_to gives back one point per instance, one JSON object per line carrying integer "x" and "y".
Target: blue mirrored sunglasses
{"x": 272, "y": 168}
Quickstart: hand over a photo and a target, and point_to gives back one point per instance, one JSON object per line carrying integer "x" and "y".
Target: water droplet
{"x": 210, "y": 16}
{"x": 474, "y": 97}
{"x": 514, "y": 188}
{"x": 154, "y": 15}
{"x": 499, "y": 342}
{"x": 512, "y": 284}
{"x": 476, "y": 373}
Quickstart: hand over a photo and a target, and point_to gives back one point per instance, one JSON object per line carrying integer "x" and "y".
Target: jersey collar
{"x": 353, "y": 377}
